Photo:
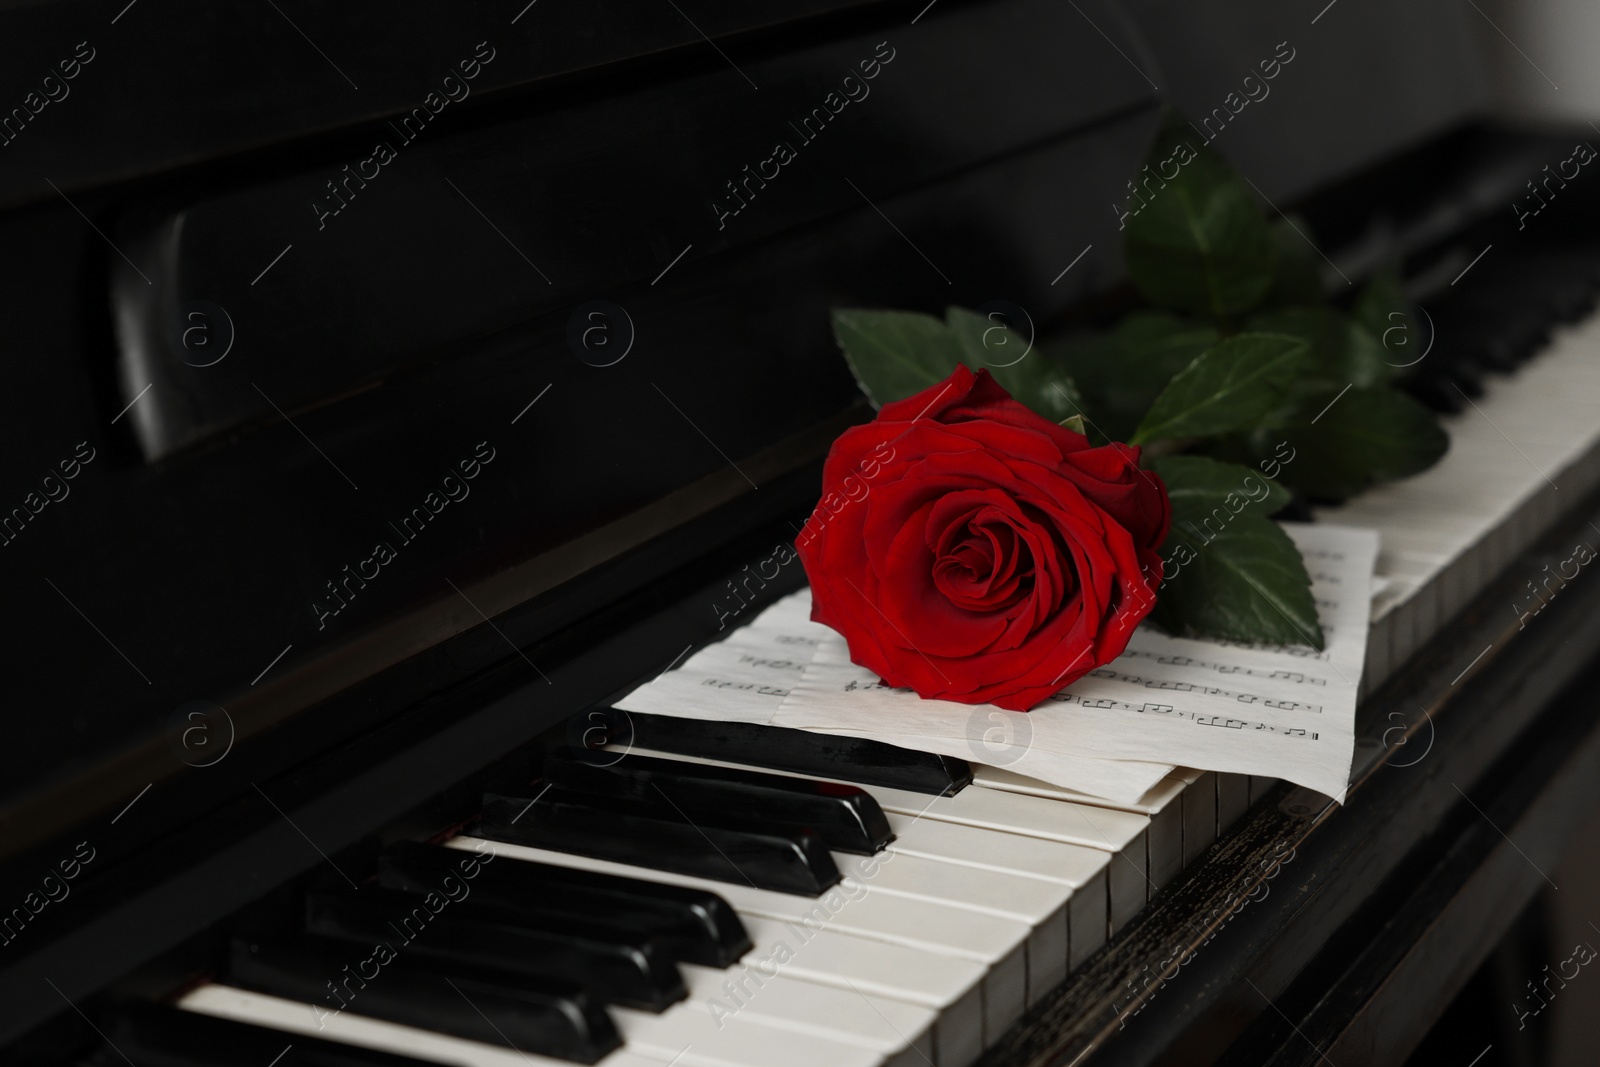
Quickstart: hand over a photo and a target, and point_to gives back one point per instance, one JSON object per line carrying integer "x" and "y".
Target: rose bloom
{"x": 971, "y": 550}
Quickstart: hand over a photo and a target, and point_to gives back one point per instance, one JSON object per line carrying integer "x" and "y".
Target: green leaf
{"x": 1197, "y": 485}
{"x": 1297, "y": 277}
{"x": 1031, "y": 375}
{"x": 1383, "y": 309}
{"x": 895, "y": 354}
{"x": 1075, "y": 424}
{"x": 1342, "y": 351}
{"x": 1231, "y": 386}
{"x": 1240, "y": 581}
{"x": 1121, "y": 373}
{"x": 1196, "y": 240}
{"x": 1342, "y": 444}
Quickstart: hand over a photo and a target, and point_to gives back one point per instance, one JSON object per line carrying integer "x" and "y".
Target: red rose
{"x": 972, "y": 550}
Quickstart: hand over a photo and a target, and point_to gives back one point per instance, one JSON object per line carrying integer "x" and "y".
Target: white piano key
{"x": 771, "y": 996}
{"x": 1233, "y": 800}
{"x": 849, "y": 907}
{"x": 1034, "y": 857}
{"x": 1039, "y": 904}
{"x": 1054, "y": 820}
{"x": 1163, "y": 840}
{"x": 940, "y": 938}
{"x": 953, "y": 988}
{"x": 349, "y": 1028}
{"x": 1199, "y": 817}
{"x": 698, "y": 1039}
{"x": 1088, "y": 920}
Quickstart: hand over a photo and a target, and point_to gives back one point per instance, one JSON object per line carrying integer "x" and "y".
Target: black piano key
{"x": 530, "y": 1014}
{"x": 626, "y": 831}
{"x": 156, "y": 1035}
{"x": 619, "y": 965}
{"x": 692, "y": 925}
{"x": 823, "y": 755}
{"x": 844, "y": 816}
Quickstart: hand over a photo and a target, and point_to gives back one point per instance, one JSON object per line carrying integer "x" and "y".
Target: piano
{"x": 396, "y": 386}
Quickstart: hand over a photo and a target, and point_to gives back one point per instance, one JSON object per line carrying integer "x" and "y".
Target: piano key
{"x": 1089, "y": 918}
{"x": 1068, "y": 822}
{"x": 607, "y": 829}
{"x": 1161, "y": 803}
{"x": 847, "y": 818}
{"x": 698, "y": 1040}
{"x": 556, "y": 1019}
{"x": 619, "y": 964}
{"x": 799, "y": 751}
{"x": 1041, "y": 905}
{"x": 941, "y": 936}
{"x": 692, "y": 925}
{"x": 1032, "y": 857}
{"x": 156, "y": 1035}
{"x": 776, "y": 998}
{"x": 301, "y": 1019}
{"x": 1233, "y": 799}
{"x": 1199, "y": 817}
{"x": 1125, "y": 882}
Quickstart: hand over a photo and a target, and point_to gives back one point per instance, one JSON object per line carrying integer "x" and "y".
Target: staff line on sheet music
{"x": 1502, "y": 833}
{"x": 302, "y": 833}
{"x": 503, "y": 637}
{"x": 899, "y": 231}
{"x": 1291, "y": 622}
{"x": 99, "y": 631}
{"x": 702, "y": 433}
{"x": 302, "y": 433}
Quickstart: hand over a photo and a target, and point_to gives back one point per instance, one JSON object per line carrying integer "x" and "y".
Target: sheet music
{"x": 1281, "y": 712}
{"x": 747, "y": 676}
{"x": 1276, "y": 712}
